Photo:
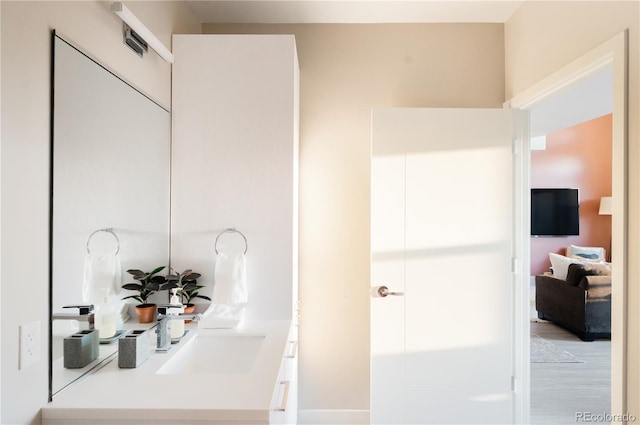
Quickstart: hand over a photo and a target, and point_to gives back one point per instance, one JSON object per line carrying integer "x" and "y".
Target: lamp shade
{"x": 606, "y": 207}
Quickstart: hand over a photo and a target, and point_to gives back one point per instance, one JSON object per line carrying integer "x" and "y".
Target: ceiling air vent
{"x": 134, "y": 41}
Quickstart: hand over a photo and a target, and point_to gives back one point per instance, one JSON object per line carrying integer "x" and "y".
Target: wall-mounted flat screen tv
{"x": 555, "y": 212}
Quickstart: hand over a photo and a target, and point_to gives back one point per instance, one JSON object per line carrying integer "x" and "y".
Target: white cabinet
{"x": 235, "y": 160}
{"x": 235, "y": 165}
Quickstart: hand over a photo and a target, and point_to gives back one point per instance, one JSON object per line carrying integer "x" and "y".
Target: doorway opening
{"x": 572, "y": 155}
{"x": 609, "y": 58}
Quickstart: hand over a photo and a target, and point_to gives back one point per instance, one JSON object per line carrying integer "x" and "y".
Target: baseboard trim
{"x": 333, "y": 417}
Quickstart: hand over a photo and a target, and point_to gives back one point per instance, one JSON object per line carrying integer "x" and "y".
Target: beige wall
{"x": 544, "y": 36}
{"x": 26, "y": 46}
{"x": 345, "y": 70}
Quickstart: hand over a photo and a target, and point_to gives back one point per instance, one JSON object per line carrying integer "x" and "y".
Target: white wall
{"x": 541, "y": 38}
{"x": 26, "y": 45}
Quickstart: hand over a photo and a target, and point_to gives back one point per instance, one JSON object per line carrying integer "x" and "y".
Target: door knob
{"x": 383, "y": 291}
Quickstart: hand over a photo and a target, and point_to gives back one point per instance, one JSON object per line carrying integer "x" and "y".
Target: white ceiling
{"x": 590, "y": 98}
{"x": 353, "y": 11}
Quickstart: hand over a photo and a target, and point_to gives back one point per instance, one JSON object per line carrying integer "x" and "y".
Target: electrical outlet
{"x": 29, "y": 344}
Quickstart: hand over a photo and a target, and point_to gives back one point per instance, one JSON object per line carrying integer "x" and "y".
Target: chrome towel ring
{"x": 108, "y": 230}
{"x": 231, "y": 230}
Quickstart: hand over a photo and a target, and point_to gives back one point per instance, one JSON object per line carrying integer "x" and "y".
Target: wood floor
{"x": 560, "y": 391}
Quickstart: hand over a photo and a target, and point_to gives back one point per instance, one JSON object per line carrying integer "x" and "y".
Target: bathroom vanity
{"x": 241, "y": 376}
{"x": 234, "y": 163}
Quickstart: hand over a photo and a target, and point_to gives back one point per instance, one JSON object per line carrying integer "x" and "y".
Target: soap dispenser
{"x": 105, "y": 318}
{"x": 177, "y": 326}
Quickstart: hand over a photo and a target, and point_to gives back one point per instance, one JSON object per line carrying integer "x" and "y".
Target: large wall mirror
{"x": 110, "y": 193}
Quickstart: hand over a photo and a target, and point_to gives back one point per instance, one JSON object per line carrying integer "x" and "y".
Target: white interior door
{"x": 443, "y": 236}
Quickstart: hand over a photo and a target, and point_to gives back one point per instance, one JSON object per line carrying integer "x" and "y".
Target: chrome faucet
{"x": 85, "y": 314}
{"x": 163, "y": 327}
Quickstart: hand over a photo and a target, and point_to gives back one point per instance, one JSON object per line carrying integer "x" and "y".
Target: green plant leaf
{"x": 132, "y": 286}
{"x": 136, "y": 272}
{"x": 204, "y": 297}
{"x": 194, "y": 290}
{"x": 189, "y": 286}
{"x": 158, "y": 279}
{"x": 135, "y": 297}
{"x": 156, "y": 270}
{"x": 169, "y": 285}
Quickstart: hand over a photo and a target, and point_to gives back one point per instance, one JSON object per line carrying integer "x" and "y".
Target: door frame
{"x": 614, "y": 53}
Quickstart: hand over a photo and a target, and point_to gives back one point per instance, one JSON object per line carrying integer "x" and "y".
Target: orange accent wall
{"x": 578, "y": 156}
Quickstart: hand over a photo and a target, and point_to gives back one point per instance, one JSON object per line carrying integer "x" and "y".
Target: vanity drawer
{"x": 284, "y": 408}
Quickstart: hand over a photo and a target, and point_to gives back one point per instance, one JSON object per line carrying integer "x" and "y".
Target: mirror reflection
{"x": 110, "y": 206}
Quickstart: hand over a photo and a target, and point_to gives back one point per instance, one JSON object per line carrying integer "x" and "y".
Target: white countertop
{"x": 121, "y": 396}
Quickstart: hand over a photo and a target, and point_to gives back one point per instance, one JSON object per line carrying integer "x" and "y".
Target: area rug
{"x": 543, "y": 351}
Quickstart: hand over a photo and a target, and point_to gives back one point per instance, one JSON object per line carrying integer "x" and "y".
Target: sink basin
{"x": 215, "y": 354}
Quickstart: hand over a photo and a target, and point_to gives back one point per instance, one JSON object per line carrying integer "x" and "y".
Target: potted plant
{"x": 146, "y": 284}
{"x": 187, "y": 288}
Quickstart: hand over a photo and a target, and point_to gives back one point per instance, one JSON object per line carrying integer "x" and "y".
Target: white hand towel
{"x": 102, "y": 279}
{"x": 230, "y": 279}
{"x": 230, "y": 293}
